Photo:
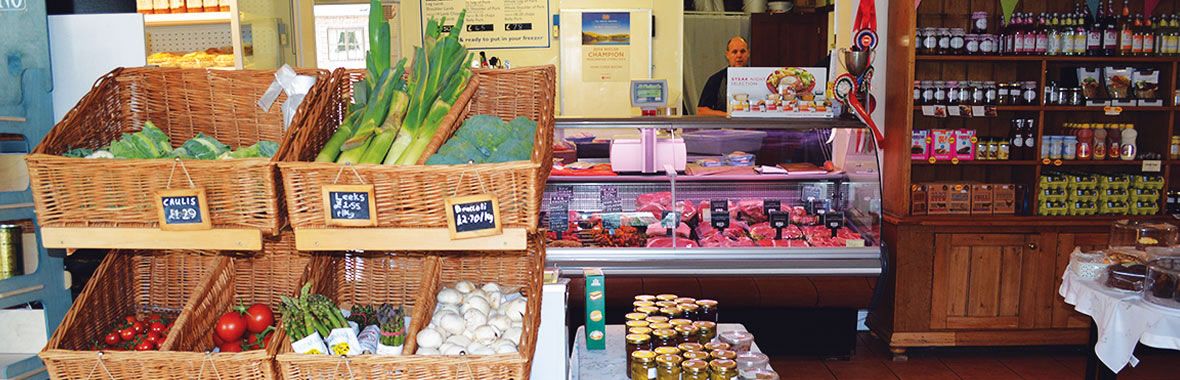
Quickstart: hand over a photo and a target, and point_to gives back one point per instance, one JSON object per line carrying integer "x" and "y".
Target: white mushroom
{"x": 454, "y": 350}
{"x": 452, "y": 323}
{"x": 495, "y": 298}
{"x": 515, "y": 309}
{"x": 477, "y": 303}
{"x": 475, "y": 318}
{"x": 485, "y": 334}
{"x": 477, "y": 293}
{"x": 449, "y": 296}
{"x": 428, "y": 351}
{"x": 500, "y": 322}
{"x": 464, "y": 286}
{"x": 479, "y": 349}
{"x": 503, "y": 346}
{"x": 438, "y": 317}
{"x": 513, "y": 334}
{"x": 429, "y": 338}
{"x": 459, "y": 340}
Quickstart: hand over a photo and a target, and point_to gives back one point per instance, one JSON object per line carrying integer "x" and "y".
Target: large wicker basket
{"x": 413, "y": 195}
{"x": 519, "y": 269}
{"x": 242, "y": 193}
{"x": 126, "y": 283}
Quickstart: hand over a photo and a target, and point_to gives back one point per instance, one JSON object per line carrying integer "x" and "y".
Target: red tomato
{"x": 127, "y": 334}
{"x": 217, "y": 341}
{"x": 230, "y": 326}
{"x": 130, "y": 319}
{"x": 233, "y": 346}
{"x": 112, "y": 339}
{"x": 139, "y": 327}
{"x": 258, "y": 318}
{"x": 154, "y": 337}
{"x": 145, "y": 346}
{"x": 154, "y": 318}
{"x": 158, "y": 328}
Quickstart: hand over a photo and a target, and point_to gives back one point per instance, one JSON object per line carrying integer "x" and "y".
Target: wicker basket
{"x": 413, "y": 195}
{"x": 517, "y": 269}
{"x": 126, "y": 283}
{"x": 278, "y": 271}
{"x": 242, "y": 193}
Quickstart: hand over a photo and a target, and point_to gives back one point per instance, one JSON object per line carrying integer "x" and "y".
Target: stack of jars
{"x": 674, "y": 338}
{"x": 953, "y": 93}
{"x": 957, "y": 41}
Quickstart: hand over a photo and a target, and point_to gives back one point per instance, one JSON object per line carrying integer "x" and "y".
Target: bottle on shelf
{"x": 1085, "y": 142}
{"x": 1126, "y": 32}
{"x": 1054, "y": 36}
{"x": 1079, "y": 36}
{"x": 1068, "y": 36}
{"x": 1099, "y": 142}
{"x": 1041, "y": 36}
{"x": 1114, "y": 142}
{"x": 1128, "y": 149}
{"x": 1137, "y": 35}
{"x": 1094, "y": 34}
{"x": 1016, "y": 138}
{"x": 1149, "y": 36}
{"x": 1110, "y": 31}
{"x": 1174, "y": 148}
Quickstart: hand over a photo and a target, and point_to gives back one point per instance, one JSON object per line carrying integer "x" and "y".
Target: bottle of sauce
{"x": 1113, "y": 142}
{"x": 1099, "y": 142}
{"x": 1085, "y": 142}
{"x": 1174, "y": 148}
{"x": 1129, "y": 149}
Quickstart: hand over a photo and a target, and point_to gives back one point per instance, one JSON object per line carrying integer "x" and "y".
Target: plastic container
{"x": 749, "y": 362}
{"x": 1142, "y": 234}
{"x": 1163, "y": 275}
{"x": 723, "y": 141}
{"x": 1087, "y": 265}
{"x": 740, "y": 341}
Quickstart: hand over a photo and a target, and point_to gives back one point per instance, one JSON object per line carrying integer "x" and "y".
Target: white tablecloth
{"x": 611, "y": 363}
{"x": 1122, "y": 318}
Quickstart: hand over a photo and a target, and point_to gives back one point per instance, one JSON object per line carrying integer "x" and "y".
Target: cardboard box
{"x": 964, "y": 145}
{"x": 938, "y": 197}
{"x": 919, "y": 147}
{"x": 960, "y": 199}
{"x": 981, "y": 199}
{"x": 942, "y": 147}
{"x": 595, "y": 309}
{"x": 1004, "y": 199}
{"x": 918, "y": 205}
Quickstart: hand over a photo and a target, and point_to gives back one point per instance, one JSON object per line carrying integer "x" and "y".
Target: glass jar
{"x": 696, "y": 355}
{"x": 1002, "y": 92}
{"x": 944, "y": 41}
{"x": 740, "y": 341}
{"x": 981, "y": 149}
{"x": 637, "y": 323}
{"x": 714, "y": 346}
{"x": 927, "y": 98}
{"x": 952, "y": 93}
{"x": 695, "y": 370}
{"x": 684, "y": 300}
{"x": 668, "y": 367}
{"x": 958, "y": 41}
{"x": 1014, "y": 95}
{"x": 650, "y": 311}
{"x": 978, "y": 94}
{"x": 643, "y": 365}
{"x": 988, "y": 44}
{"x": 688, "y": 334}
{"x": 665, "y": 337}
{"x": 929, "y": 41}
{"x": 1030, "y": 93}
{"x": 939, "y": 92}
{"x": 691, "y": 346}
{"x": 707, "y": 331}
{"x": 989, "y": 94}
{"x": 691, "y": 310}
{"x": 972, "y": 47}
{"x": 979, "y": 22}
{"x": 661, "y": 326}
{"x": 645, "y": 297}
{"x": 1004, "y": 150}
{"x": 1075, "y": 96}
{"x": 637, "y": 342}
{"x": 1174, "y": 148}
{"x": 657, "y": 319}
{"x": 723, "y": 369}
{"x": 667, "y": 297}
{"x": 666, "y": 350}
{"x": 749, "y": 362}
{"x": 664, "y": 304}
{"x": 708, "y": 310}
{"x": 640, "y": 330}
{"x": 639, "y": 304}
{"x": 723, "y": 354}
{"x": 673, "y": 312}
{"x": 1051, "y": 93}
{"x": 635, "y": 316}
{"x": 680, "y": 322}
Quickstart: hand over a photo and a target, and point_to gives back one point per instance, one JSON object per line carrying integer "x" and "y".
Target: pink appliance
{"x": 648, "y": 154}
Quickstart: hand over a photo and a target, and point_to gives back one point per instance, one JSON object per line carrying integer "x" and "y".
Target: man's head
{"x": 737, "y": 52}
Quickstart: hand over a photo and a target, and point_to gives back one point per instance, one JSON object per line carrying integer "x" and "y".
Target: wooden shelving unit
{"x": 989, "y": 280}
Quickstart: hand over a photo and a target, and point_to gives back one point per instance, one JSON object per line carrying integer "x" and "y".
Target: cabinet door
{"x": 783, "y": 40}
{"x": 990, "y": 281}
{"x": 1064, "y": 315}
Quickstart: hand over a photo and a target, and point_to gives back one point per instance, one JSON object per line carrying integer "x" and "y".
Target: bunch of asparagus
{"x": 393, "y": 325}
{"x": 309, "y": 314}
{"x": 396, "y": 121}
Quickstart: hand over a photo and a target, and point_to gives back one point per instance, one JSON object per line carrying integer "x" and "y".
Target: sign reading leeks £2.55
{"x": 473, "y": 216}
{"x": 349, "y": 206}
{"x": 183, "y": 210}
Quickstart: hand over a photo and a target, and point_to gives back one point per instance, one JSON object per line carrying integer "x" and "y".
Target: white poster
{"x": 602, "y": 50}
{"x": 778, "y": 92}
{"x": 494, "y": 24}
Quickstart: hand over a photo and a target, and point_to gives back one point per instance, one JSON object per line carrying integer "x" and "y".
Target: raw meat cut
{"x": 658, "y": 230}
{"x": 666, "y": 242}
{"x": 657, "y": 203}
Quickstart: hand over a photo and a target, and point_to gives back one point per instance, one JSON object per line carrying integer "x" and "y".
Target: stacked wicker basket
{"x": 275, "y": 199}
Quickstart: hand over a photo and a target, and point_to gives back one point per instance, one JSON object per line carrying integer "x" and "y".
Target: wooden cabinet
{"x": 1064, "y": 315}
{"x": 788, "y": 39}
{"x": 990, "y": 281}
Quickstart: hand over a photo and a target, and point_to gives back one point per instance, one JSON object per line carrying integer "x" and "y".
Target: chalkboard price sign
{"x": 183, "y": 210}
{"x": 349, "y": 206}
{"x": 719, "y": 213}
{"x": 559, "y": 217}
{"x": 609, "y": 199}
{"x": 769, "y": 205}
{"x": 473, "y": 216}
{"x": 834, "y": 220}
{"x": 779, "y": 220}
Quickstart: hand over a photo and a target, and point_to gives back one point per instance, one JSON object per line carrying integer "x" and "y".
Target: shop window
{"x": 346, "y": 44}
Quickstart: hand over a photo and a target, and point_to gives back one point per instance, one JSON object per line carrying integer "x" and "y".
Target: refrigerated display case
{"x": 808, "y": 201}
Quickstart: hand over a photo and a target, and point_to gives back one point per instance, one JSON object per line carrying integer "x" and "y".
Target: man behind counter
{"x": 713, "y": 98}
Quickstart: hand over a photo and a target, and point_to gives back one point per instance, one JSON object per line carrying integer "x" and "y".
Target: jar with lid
{"x": 707, "y": 331}
{"x": 1030, "y": 93}
{"x": 958, "y": 41}
{"x": 750, "y": 362}
{"x": 663, "y": 304}
{"x": 1051, "y": 93}
{"x": 668, "y": 367}
{"x": 1004, "y": 150}
{"x": 637, "y": 342}
{"x": 1002, "y": 94}
{"x": 635, "y": 316}
{"x": 952, "y": 93}
{"x": 714, "y": 346}
{"x": 708, "y": 310}
{"x": 993, "y": 149}
{"x": 1174, "y": 148}
{"x": 1085, "y": 142}
{"x": 989, "y": 94}
{"x": 972, "y": 47}
{"x": 1069, "y": 148}
{"x": 657, "y": 319}
{"x": 979, "y": 22}
{"x": 1062, "y": 95}
{"x": 691, "y": 310}
{"x": 1014, "y": 96}
{"x": 643, "y": 365}
{"x": 970, "y": 91}
{"x": 672, "y": 312}
{"x": 740, "y": 341}
{"x": 667, "y": 351}
{"x": 688, "y": 334}
{"x": 930, "y": 41}
{"x": 665, "y": 337}
{"x": 696, "y": 355}
{"x": 988, "y": 44}
{"x": 695, "y": 370}
{"x": 1075, "y": 96}
{"x": 637, "y": 323}
{"x": 981, "y": 149}
{"x": 684, "y": 300}
{"x": 723, "y": 369}
{"x": 680, "y": 322}
{"x": 939, "y": 92}
{"x": 1054, "y": 146}
{"x": 639, "y": 304}
{"x": 927, "y": 98}
{"x": 640, "y": 330}
{"x": 649, "y": 310}
{"x": 667, "y": 297}
{"x": 690, "y": 346}
{"x": 723, "y": 354}
{"x": 1099, "y": 142}
{"x": 645, "y": 297}
{"x": 661, "y": 326}
{"x": 1129, "y": 148}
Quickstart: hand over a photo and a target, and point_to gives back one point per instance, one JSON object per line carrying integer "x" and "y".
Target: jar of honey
{"x": 666, "y": 337}
{"x": 637, "y": 342}
{"x": 642, "y": 366}
{"x": 708, "y": 310}
{"x": 694, "y": 370}
{"x": 707, "y": 331}
{"x": 723, "y": 369}
{"x": 668, "y": 367}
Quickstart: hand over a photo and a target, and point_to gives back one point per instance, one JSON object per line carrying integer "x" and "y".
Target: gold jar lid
{"x": 635, "y": 316}
{"x": 638, "y": 338}
{"x": 667, "y": 350}
{"x": 707, "y": 303}
{"x": 669, "y": 360}
{"x": 642, "y": 323}
{"x": 689, "y": 307}
{"x": 643, "y": 356}
{"x": 671, "y": 310}
{"x": 657, "y": 319}
{"x": 667, "y": 297}
{"x": 705, "y": 325}
{"x": 639, "y": 330}
{"x": 647, "y": 310}
{"x": 714, "y": 346}
{"x": 686, "y": 300}
{"x": 639, "y": 304}
{"x": 723, "y": 354}
{"x": 695, "y": 366}
{"x": 722, "y": 365}
{"x": 661, "y": 326}
{"x": 666, "y": 304}
{"x": 645, "y": 297}
{"x": 697, "y": 355}
{"x": 690, "y": 347}
{"x": 680, "y": 322}
{"x": 686, "y": 330}
{"x": 665, "y": 334}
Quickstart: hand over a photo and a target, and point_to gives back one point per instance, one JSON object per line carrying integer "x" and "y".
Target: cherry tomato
{"x": 130, "y": 319}
{"x": 127, "y": 334}
{"x": 154, "y": 337}
{"x": 145, "y": 346}
{"x": 258, "y": 318}
{"x": 158, "y": 328}
{"x": 139, "y": 327}
{"x": 231, "y": 326}
{"x": 217, "y": 341}
{"x": 112, "y": 339}
{"x": 232, "y": 346}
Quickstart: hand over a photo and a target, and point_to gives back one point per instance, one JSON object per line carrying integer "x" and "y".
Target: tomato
{"x": 130, "y": 319}
{"x": 217, "y": 341}
{"x": 145, "y": 346}
{"x": 233, "y": 346}
{"x": 127, "y": 334}
{"x": 139, "y": 327}
{"x": 259, "y": 317}
{"x": 158, "y": 327}
{"x": 113, "y": 339}
{"x": 154, "y": 337}
{"x": 230, "y": 326}
{"x": 154, "y": 318}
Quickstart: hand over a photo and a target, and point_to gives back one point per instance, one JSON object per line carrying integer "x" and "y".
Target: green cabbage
{"x": 487, "y": 139}
{"x": 149, "y": 142}
{"x": 202, "y": 147}
{"x": 263, "y": 149}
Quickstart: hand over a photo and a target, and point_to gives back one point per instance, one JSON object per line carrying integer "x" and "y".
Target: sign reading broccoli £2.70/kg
{"x": 473, "y": 216}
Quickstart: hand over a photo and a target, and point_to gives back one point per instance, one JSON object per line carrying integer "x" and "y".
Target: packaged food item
{"x": 1118, "y": 82}
{"x": 596, "y": 310}
{"x": 960, "y": 199}
{"x": 1147, "y": 83}
{"x": 941, "y": 147}
{"x": 1004, "y": 199}
{"x": 919, "y": 147}
{"x": 964, "y": 147}
{"x": 1126, "y": 276}
{"x": 981, "y": 199}
{"x": 918, "y": 205}
{"x": 938, "y": 198}
{"x": 1091, "y": 82}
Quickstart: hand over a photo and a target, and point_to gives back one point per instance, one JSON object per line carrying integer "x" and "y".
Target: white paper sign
{"x": 311, "y": 344}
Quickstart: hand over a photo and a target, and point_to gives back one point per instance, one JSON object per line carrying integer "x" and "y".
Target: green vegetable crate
{"x": 412, "y": 196}
{"x": 198, "y": 115}
{"x": 190, "y": 289}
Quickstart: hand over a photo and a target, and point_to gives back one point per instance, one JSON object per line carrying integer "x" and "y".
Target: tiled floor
{"x": 872, "y": 361}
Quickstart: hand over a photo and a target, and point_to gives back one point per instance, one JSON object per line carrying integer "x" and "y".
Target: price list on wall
{"x": 494, "y": 24}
